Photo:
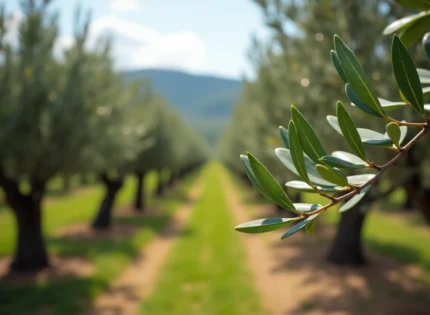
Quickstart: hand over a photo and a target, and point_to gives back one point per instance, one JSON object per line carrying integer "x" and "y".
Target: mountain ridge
{"x": 204, "y": 101}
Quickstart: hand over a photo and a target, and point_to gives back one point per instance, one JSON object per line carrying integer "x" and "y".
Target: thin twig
{"x": 374, "y": 179}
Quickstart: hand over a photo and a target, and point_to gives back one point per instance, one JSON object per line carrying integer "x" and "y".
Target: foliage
{"x": 326, "y": 174}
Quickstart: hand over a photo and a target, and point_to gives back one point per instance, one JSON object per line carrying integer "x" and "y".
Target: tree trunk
{"x": 171, "y": 180}
{"x": 412, "y": 188}
{"x": 66, "y": 184}
{"x": 30, "y": 252}
{"x": 346, "y": 248}
{"x": 139, "y": 203}
{"x": 160, "y": 185}
{"x": 423, "y": 200}
{"x": 102, "y": 220}
{"x": 84, "y": 179}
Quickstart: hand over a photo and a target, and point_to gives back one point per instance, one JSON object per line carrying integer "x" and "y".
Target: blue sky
{"x": 200, "y": 36}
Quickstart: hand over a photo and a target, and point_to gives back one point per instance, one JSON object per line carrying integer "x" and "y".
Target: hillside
{"x": 204, "y": 101}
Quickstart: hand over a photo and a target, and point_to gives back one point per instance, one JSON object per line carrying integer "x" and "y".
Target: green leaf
{"x": 353, "y": 97}
{"x": 415, "y": 4}
{"x": 393, "y": 131}
{"x": 284, "y": 136}
{"x": 285, "y": 157}
{"x": 357, "y": 180}
{"x": 354, "y": 200}
{"x": 333, "y": 175}
{"x": 388, "y": 105}
{"x": 406, "y": 75}
{"x": 374, "y": 138}
{"x": 337, "y": 162}
{"x": 404, "y": 23}
{"x": 297, "y": 152}
{"x": 349, "y": 157}
{"x": 356, "y": 76}
{"x": 349, "y": 131}
{"x": 403, "y": 132}
{"x": 251, "y": 175}
{"x": 269, "y": 184}
{"x": 309, "y": 140}
{"x": 426, "y": 90}
{"x": 426, "y": 44}
{"x": 415, "y": 31}
{"x": 424, "y": 75}
{"x": 304, "y": 187}
{"x": 306, "y": 207}
{"x": 338, "y": 66}
{"x": 367, "y": 136}
{"x": 264, "y": 225}
{"x": 298, "y": 226}
{"x": 311, "y": 227}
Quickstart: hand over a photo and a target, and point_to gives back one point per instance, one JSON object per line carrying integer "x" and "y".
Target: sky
{"x": 198, "y": 36}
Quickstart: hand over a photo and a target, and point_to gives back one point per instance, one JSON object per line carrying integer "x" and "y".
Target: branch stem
{"x": 374, "y": 179}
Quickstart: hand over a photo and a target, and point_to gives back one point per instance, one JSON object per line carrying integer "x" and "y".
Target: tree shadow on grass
{"x": 384, "y": 286}
{"x": 65, "y": 297}
{"x": 74, "y": 295}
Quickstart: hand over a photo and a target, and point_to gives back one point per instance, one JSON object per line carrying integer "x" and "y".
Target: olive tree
{"x": 327, "y": 174}
{"x": 51, "y": 116}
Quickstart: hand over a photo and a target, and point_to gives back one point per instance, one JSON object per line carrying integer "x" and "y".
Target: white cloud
{"x": 12, "y": 27}
{"x": 138, "y": 46}
{"x": 124, "y": 5}
{"x": 135, "y": 45}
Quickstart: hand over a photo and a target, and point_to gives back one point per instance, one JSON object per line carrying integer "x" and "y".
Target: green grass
{"x": 109, "y": 257}
{"x": 205, "y": 272}
{"x": 60, "y": 211}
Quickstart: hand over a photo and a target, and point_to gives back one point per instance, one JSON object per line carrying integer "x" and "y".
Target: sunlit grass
{"x": 109, "y": 256}
{"x": 206, "y": 271}
{"x": 59, "y": 211}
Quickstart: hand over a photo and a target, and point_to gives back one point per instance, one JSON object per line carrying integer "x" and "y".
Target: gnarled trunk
{"x": 346, "y": 248}
{"x": 423, "y": 201}
{"x": 171, "y": 180}
{"x": 139, "y": 202}
{"x": 102, "y": 220}
{"x": 30, "y": 251}
{"x": 84, "y": 179}
{"x": 66, "y": 184}
{"x": 161, "y": 185}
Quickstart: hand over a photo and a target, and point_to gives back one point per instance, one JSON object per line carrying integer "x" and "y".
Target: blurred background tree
{"x": 292, "y": 68}
{"x": 71, "y": 115}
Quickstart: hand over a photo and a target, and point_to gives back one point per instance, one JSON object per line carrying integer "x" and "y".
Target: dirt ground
{"x": 293, "y": 277}
{"x": 61, "y": 268}
{"x": 135, "y": 284}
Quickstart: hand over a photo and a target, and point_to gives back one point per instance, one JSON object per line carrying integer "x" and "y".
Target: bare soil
{"x": 61, "y": 268}
{"x": 135, "y": 284}
{"x": 293, "y": 276}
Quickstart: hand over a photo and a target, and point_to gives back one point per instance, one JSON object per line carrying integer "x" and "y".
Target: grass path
{"x": 272, "y": 285}
{"x": 135, "y": 283}
{"x": 206, "y": 272}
